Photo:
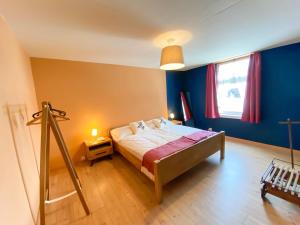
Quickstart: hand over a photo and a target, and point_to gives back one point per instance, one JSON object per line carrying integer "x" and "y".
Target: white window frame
{"x": 230, "y": 114}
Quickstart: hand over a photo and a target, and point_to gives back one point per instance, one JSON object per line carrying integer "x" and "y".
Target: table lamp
{"x": 172, "y": 116}
{"x": 94, "y": 134}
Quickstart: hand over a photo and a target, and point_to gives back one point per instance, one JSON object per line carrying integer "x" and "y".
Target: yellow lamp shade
{"x": 94, "y": 132}
{"x": 171, "y": 58}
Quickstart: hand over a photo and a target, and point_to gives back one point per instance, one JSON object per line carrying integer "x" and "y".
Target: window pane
{"x": 231, "y": 87}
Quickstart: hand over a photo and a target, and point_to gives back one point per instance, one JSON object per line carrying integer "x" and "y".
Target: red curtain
{"x": 251, "y": 111}
{"x": 211, "y": 105}
{"x": 185, "y": 107}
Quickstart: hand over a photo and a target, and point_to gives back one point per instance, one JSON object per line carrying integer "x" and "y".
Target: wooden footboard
{"x": 176, "y": 164}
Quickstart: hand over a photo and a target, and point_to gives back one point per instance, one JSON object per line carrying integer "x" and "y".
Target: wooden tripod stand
{"x": 49, "y": 118}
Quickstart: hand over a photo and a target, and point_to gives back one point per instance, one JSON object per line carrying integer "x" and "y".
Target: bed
{"x": 143, "y": 150}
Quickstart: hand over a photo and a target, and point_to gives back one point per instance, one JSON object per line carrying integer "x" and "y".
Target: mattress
{"x": 140, "y": 143}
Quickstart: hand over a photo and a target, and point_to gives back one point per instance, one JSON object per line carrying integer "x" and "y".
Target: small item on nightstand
{"x": 100, "y": 138}
{"x": 177, "y": 122}
{"x": 97, "y": 149}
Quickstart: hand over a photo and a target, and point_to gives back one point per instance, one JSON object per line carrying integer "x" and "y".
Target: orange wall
{"x": 16, "y": 89}
{"x": 97, "y": 96}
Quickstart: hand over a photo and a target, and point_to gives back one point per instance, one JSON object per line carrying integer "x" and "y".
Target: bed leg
{"x": 158, "y": 192}
{"x": 157, "y": 183}
{"x": 222, "y": 151}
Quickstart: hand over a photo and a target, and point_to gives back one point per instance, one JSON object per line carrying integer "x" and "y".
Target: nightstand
{"x": 177, "y": 122}
{"x": 97, "y": 149}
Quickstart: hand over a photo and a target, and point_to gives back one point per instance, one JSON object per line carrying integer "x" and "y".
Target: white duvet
{"x": 138, "y": 144}
{"x": 142, "y": 142}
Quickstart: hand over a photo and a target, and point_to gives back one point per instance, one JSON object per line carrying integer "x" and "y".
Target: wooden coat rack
{"x": 282, "y": 179}
{"x": 48, "y": 119}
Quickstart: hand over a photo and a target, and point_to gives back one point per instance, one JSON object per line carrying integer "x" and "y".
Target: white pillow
{"x": 150, "y": 124}
{"x": 161, "y": 122}
{"x": 138, "y": 126}
{"x": 121, "y": 132}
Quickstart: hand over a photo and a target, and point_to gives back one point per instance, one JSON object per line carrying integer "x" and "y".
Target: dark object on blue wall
{"x": 173, "y": 94}
{"x": 189, "y": 123}
{"x": 280, "y": 98}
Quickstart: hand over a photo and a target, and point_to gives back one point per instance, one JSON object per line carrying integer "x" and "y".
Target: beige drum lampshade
{"x": 171, "y": 58}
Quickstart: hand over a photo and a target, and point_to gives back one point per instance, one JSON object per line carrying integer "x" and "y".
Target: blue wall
{"x": 280, "y": 98}
{"x": 174, "y": 86}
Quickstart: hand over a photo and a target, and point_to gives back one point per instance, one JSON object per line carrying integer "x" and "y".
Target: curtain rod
{"x": 218, "y": 62}
{"x": 233, "y": 58}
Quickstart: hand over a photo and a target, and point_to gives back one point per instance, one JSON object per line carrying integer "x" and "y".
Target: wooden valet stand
{"x": 282, "y": 179}
{"x": 48, "y": 119}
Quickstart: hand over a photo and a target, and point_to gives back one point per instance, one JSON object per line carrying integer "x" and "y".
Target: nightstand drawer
{"x": 98, "y": 149}
{"x": 95, "y": 153}
{"x": 99, "y": 153}
{"x": 99, "y": 146}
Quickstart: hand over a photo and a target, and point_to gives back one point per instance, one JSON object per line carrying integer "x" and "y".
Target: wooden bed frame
{"x": 176, "y": 164}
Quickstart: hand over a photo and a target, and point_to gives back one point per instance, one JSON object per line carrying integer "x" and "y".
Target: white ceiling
{"x": 122, "y": 31}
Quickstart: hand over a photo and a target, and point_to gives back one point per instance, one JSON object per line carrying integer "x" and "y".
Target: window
{"x": 231, "y": 87}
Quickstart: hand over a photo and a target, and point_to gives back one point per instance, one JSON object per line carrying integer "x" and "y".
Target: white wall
{"x": 18, "y": 170}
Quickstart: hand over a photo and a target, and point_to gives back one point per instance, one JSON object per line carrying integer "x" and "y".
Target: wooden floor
{"x": 214, "y": 192}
